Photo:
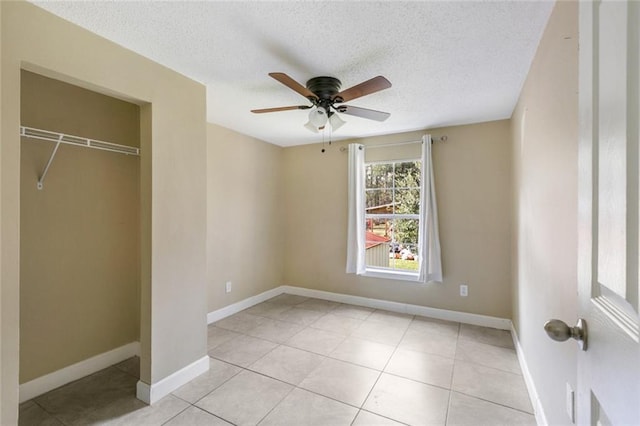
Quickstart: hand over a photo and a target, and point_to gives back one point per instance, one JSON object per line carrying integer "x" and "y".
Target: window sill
{"x": 392, "y": 275}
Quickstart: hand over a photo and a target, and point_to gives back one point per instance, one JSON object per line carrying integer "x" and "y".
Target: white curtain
{"x": 355, "y": 234}
{"x": 430, "y": 258}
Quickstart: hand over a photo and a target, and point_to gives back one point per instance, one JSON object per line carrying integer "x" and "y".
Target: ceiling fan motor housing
{"x": 325, "y": 88}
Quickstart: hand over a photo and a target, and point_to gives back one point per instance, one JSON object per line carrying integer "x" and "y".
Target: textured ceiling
{"x": 449, "y": 62}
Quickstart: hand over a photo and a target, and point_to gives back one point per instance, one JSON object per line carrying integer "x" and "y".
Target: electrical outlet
{"x": 227, "y": 287}
{"x": 464, "y": 290}
{"x": 571, "y": 404}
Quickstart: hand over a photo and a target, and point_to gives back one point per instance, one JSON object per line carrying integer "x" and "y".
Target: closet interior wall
{"x": 80, "y": 234}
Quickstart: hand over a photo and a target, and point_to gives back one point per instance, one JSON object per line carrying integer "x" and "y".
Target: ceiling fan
{"x": 327, "y": 99}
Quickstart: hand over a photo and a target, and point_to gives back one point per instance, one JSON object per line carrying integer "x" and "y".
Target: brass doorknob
{"x": 558, "y": 330}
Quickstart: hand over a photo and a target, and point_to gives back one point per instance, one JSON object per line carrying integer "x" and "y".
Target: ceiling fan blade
{"x": 287, "y": 108}
{"x": 363, "y": 112}
{"x": 365, "y": 88}
{"x": 293, "y": 85}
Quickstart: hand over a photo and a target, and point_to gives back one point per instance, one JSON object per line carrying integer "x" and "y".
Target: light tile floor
{"x": 299, "y": 361}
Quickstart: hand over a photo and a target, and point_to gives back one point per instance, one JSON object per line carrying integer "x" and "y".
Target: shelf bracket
{"x": 40, "y": 183}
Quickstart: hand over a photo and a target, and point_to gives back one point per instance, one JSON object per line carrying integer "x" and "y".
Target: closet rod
{"x": 59, "y": 138}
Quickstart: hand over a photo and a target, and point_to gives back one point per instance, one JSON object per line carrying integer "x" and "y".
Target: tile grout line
{"x": 387, "y": 363}
{"x": 453, "y": 369}
{"x": 279, "y": 402}
{"x": 484, "y": 366}
{"x": 309, "y": 390}
{"x": 493, "y": 402}
{"x": 45, "y": 410}
{"x": 383, "y": 416}
{"x": 208, "y": 393}
{"x": 182, "y": 411}
{"x": 490, "y": 368}
{"x": 215, "y": 415}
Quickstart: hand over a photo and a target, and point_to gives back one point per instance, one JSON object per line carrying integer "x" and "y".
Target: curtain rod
{"x": 441, "y": 139}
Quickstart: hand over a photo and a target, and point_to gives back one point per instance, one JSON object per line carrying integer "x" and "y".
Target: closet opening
{"x": 80, "y": 238}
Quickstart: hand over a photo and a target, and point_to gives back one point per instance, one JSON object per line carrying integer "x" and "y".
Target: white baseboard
{"x": 150, "y": 394}
{"x": 44, "y": 384}
{"x": 541, "y": 419}
{"x": 229, "y": 310}
{"x": 405, "y": 308}
{"x": 443, "y": 314}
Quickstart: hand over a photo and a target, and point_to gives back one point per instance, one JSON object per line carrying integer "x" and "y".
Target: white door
{"x": 609, "y": 370}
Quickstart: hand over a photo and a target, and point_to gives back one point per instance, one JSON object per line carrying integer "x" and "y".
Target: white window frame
{"x": 390, "y": 273}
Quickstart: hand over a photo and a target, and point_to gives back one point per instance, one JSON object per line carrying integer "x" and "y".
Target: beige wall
{"x": 545, "y": 154}
{"x": 472, "y": 174}
{"x": 172, "y": 174}
{"x": 80, "y": 235}
{"x": 245, "y": 233}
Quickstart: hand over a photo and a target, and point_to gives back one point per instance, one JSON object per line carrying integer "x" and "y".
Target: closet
{"x": 80, "y": 228}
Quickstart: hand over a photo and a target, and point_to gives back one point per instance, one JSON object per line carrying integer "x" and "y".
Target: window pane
{"x": 406, "y": 259}
{"x": 379, "y": 227}
{"x": 407, "y": 175}
{"x": 407, "y": 201}
{"x": 379, "y": 176}
{"x": 405, "y": 231}
{"x": 379, "y": 201}
{"x": 377, "y": 238}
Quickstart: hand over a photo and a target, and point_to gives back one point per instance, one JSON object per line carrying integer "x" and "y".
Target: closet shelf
{"x": 47, "y": 135}
{"x": 59, "y": 138}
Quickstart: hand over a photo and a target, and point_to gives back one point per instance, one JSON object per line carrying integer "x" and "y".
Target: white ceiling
{"x": 450, "y": 63}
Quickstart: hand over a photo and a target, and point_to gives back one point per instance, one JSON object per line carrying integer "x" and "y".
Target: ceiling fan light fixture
{"x": 318, "y": 117}
{"x": 311, "y": 127}
{"x": 336, "y": 122}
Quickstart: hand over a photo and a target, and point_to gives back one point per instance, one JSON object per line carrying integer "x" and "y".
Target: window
{"x": 392, "y": 216}
{"x": 392, "y": 227}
